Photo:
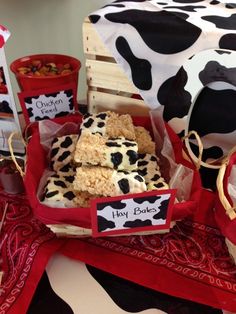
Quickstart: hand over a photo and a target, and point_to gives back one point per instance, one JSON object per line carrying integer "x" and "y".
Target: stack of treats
{"x": 110, "y": 157}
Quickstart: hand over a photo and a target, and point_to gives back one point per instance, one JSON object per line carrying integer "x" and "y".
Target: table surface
{"x": 76, "y": 288}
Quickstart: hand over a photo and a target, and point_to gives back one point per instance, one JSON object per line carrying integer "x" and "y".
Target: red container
{"x": 29, "y": 82}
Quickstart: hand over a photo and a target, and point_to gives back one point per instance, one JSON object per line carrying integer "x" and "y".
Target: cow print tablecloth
{"x": 152, "y": 40}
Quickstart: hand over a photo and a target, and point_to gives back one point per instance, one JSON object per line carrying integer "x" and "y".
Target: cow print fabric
{"x": 152, "y": 40}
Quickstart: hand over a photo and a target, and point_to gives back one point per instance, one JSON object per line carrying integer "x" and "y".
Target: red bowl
{"x": 29, "y": 82}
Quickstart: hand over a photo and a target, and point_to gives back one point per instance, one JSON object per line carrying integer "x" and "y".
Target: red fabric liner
{"x": 26, "y": 246}
{"x": 191, "y": 262}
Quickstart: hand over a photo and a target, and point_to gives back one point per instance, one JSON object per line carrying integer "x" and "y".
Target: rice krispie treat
{"x": 108, "y": 182}
{"x": 109, "y": 124}
{"x": 62, "y": 151}
{"x": 83, "y": 198}
{"x": 94, "y": 149}
{"x": 59, "y": 192}
{"x": 149, "y": 169}
{"x": 144, "y": 140}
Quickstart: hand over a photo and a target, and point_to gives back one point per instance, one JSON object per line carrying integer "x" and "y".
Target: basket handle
{"x": 220, "y": 62}
{"x": 230, "y": 210}
{"x": 198, "y": 159}
{"x": 18, "y": 167}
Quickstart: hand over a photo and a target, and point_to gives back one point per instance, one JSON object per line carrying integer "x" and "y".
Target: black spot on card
{"x": 37, "y": 118}
{"x": 161, "y": 40}
{"x": 67, "y": 142}
{"x": 114, "y": 205}
{"x": 163, "y": 210}
{"x": 71, "y": 104}
{"x": 104, "y": 224}
{"x": 29, "y": 99}
{"x": 138, "y": 223}
{"x": 140, "y": 68}
{"x": 221, "y": 21}
{"x": 52, "y": 95}
{"x": 150, "y": 199}
{"x": 68, "y": 92}
{"x": 30, "y": 112}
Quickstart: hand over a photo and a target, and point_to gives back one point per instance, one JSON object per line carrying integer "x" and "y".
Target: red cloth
{"x": 190, "y": 262}
{"x": 26, "y": 246}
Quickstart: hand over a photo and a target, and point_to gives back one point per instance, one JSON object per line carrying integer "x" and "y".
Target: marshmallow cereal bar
{"x": 94, "y": 149}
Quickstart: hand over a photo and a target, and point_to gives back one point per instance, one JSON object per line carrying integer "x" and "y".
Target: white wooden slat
{"x": 92, "y": 42}
{"x": 99, "y": 101}
{"x": 101, "y": 74}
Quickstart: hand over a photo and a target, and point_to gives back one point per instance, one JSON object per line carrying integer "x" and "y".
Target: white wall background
{"x": 46, "y": 26}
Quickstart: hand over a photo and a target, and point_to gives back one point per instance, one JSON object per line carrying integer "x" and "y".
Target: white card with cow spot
{"x": 127, "y": 214}
{"x": 48, "y": 103}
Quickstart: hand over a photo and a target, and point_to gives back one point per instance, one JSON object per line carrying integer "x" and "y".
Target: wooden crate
{"x": 108, "y": 85}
